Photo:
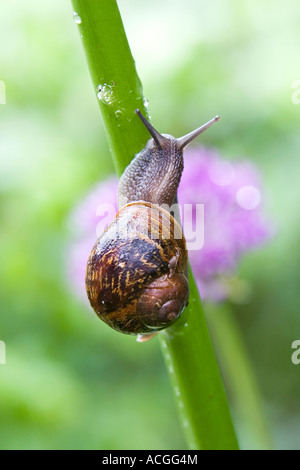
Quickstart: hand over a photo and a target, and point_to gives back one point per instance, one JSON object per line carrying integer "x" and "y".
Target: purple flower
{"x": 234, "y": 221}
{"x": 83, "y": 223}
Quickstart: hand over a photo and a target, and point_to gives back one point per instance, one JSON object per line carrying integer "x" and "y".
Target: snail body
{"x": 136, "y": 277}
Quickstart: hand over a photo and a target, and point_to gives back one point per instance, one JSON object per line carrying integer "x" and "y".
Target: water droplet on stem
{"x": 76, "y": 18}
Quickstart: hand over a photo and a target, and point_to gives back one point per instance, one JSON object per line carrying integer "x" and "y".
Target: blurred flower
{"x": 83, "y": 223}
{"x": 234, "y": 222}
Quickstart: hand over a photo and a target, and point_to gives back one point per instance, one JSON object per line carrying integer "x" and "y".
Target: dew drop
{"x": 76, "y": 18}
{"x": 146, "y": 102}
{"x": 105, "y": 93}
{"x": 118, "y": 113}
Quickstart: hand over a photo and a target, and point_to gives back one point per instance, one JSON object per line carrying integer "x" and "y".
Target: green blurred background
{"x": 70, "y": 382}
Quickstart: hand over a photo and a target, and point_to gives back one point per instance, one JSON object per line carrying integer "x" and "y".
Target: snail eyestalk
{"x": 186, "y": 139}
{"x": 159, "y": 139}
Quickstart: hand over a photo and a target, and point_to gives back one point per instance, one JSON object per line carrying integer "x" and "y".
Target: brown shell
{"x": 137, "y": 248}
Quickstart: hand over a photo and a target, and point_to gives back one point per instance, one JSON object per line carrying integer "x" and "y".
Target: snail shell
{"x": 135, "y": 278}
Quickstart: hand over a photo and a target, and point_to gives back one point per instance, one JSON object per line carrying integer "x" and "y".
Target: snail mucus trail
{"x": 136, "y": 277}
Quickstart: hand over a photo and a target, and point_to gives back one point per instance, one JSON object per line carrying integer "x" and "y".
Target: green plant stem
{"x": 187, "y": 345}
{"x": 196, "y": 379}
{"x": 115, "y": 80}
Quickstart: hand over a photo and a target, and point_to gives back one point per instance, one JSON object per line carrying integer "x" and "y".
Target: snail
{"x": 136, "y": 276}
